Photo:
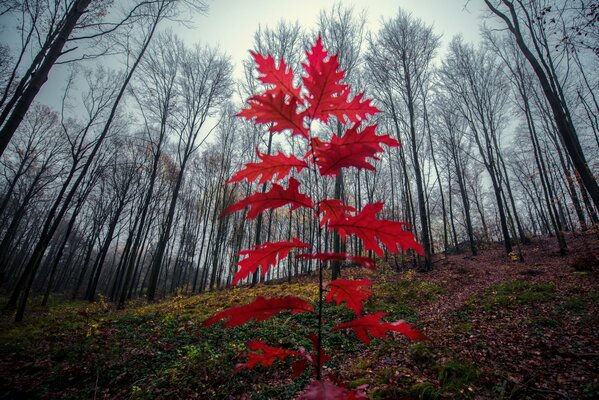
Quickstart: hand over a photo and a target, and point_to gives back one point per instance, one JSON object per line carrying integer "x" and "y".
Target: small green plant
{"x": 455, "y": 374}
{"x": 387, "y": 393}
{"x": 421, "y": 356}
{"x": 515, "y": 293}
{"x": 423, "y": 391}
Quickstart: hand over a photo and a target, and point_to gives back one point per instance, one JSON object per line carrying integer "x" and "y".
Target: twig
{"x": 96, "y": 385}
{"x": 565, "y": 396}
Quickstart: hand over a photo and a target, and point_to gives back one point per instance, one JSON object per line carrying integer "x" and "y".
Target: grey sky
{"x": 230, "y": 24}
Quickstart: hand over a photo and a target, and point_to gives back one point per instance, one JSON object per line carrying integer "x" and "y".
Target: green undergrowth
{"x": 76, "y": 350}
{"x": 400, "y": 299}
{"x": 514, "y": 294}
{"x": 530, "y": 298}
{"x": 449, "y": 377}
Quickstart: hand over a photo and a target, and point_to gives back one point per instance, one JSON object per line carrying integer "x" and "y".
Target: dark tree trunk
{"x": 559, "y": 108}
{"x": 40, "y": 76}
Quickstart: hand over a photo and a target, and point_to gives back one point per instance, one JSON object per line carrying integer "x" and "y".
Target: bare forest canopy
{"x": 119, "y": 189}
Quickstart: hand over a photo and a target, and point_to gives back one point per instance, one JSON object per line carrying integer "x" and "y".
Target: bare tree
{"x": 204, "y": 84}
{"x": 404, "y": 49}
{"x": 475, "y": 81}
{"x": 525, "y": 20}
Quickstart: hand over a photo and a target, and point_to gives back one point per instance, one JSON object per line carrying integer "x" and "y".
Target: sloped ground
{"x": 500, "y": 330}
{"x": 497, "y": 329}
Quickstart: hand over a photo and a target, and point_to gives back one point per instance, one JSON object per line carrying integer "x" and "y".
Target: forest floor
{"x": 496, "y": 328}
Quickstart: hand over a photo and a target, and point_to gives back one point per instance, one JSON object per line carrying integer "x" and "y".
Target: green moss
{"x": 455, "y": 374}
{"x": 464, "y": 327}
{"x": 545, "y": 322}
{"x": 421, "y": 356}
{"x": 413, "y": 291}
{"x": 574, "y": 304}
{"x": 386, "y": 393}
{"x": 515, "y": 293}
{"x": 357, "y": 382}
{"x": 423, "y": 391}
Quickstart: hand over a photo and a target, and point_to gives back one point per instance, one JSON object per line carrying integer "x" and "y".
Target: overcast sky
{"x": 230, "y": 24}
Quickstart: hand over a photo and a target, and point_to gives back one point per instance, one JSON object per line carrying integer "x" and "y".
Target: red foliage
{"x": 332, "y": 209}
{"x": 260, "y": 309}
{"x": 265, "y": 255}
{"x": 327, "y": 96}
{"x": 371, "y": 325}
{"x": 352, "y": 292}
{"x": 271, "y": 167}
{"x": 280, "y": 78}
{"x": 367, "y": 227}
{"x": 276, "y": 197}
{"x": 286, "y": 108}
{"x": 353, "y": 149}
{"x": 277, "y": 110}
{"x": 265, "y": 355}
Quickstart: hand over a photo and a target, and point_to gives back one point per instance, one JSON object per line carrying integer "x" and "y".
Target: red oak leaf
{"x": 274, "y": 198}
{"x": 323, "y": 356}
{"x": 275, "y": 109}
{"x": 300, "y": 366}
{"x": 367, "y": 262}
{"x": 326, "y": 390}
{"x": 265, "y": 255}
{"x": 281, "y": 78}
{"x": 355, "y": 110}
{"x": 332, "y": 209}
{"x": 260, "y": 309}
{"x": 353, "y": 149}
{"x": 352, "y": 292}
{"x": 265, "y": 355}
{"x": 406, "y": 329}
{"x": 372, "y": 326}
{"x": 276, "y": 166}
{"x": 367, "y": 227}
{"x": 322, "y": 81}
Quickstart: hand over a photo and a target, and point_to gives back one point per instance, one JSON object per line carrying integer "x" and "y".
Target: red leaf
{"x": 265, "y": 355}
{"x": 352, "y": 292}
{"x": 260, "y": 309}
{"x": 407, "y": 330}
{"x": 271, "y": 166}
{"x": 276, "y": 109}
{"x": 300, "y": 366}
{"x": 276, "y": 197}
{"x": 322, "y": 81}
{"x": 326, "y": 94}
{"x": 332, "y": 209}
{"x": 323, "y": 356}
{"x": 265, "y": 255}
{"x": 370, "y": 229}
{"x": 366, "y": 262}
{"x": 353, "y": 149}
{"x": 281, "y": 77}
{"x": 355, "y": 110}
{"x": 371, "y": 325}
{"x": 325, "y": 390}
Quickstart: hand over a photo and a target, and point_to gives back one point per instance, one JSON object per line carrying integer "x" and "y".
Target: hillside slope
{"x": 497, "y": 328}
